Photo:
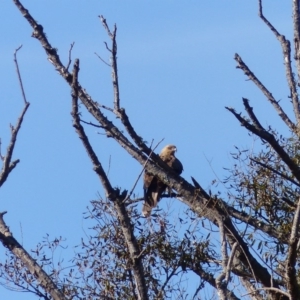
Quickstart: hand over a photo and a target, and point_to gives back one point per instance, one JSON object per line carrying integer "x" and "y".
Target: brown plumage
{"x": 153, "y": 187}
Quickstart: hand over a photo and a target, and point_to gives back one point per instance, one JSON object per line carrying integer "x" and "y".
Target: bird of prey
{"x": 153, "y": 187}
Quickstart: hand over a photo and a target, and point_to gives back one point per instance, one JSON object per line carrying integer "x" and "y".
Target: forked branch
{"x": 118, "y": 110}
{"x": 286, "y": 49}
{"x": 241, "y": 65}
{"x": 83, "y": 137}
{"x": 268, "y": 137}
{"x": 114, "y": 73}
{"x": 8, "y": 164}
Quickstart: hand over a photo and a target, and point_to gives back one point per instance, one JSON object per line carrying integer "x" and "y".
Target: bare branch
{"x": 70, "y": 53}
{"x": 268, "y": 137}
{"x": 92, "y": 106}
{"x": 260, "y": 13}
{"x": 1, "y": 156}
{"x": 103, "y": 21}
{"x": 83, "y": 137}
{"x": 8, "y": 165}
{"x": 265, "y": 91}
{"x": 120, "y": 112}
{"x": 90, "y": 123}
{"x": 19, "y": 75}
{"x": 251, "y": 114}
{"x": 114, "y": 67}
{"x": 270, "y": 289}
{"x": 102, "y": 60}
{"x": 286, "y": 49}
{"x": 296, "y": 19}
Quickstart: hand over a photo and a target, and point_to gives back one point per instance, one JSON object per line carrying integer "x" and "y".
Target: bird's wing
{"x": 173, "y": 162}
{"x": 177, "y": 166}
{"x": 153, "y": 189}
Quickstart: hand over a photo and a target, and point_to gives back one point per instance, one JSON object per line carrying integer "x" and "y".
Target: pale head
{"x": 169, "y": 149}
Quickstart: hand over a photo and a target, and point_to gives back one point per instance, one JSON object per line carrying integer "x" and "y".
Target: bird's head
{"x": 170, "y": 149}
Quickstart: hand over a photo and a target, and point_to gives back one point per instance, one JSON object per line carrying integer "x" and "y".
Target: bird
{"x": 153, "y": 186}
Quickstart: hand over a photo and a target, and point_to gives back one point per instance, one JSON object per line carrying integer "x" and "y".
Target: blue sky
{"x": 176, "y": 74}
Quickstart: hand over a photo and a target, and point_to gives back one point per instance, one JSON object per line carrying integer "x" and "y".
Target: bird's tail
{"x": 150, "y": 201}
{"x": 146, "y": 210}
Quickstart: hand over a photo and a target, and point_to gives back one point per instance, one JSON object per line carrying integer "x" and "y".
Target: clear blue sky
{"x": 176, "y": 73}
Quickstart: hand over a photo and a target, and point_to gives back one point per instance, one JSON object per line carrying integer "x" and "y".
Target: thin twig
{"x": 114, "y": 68}
{"x": 70, "y": 55}
{"x": 1, "y": 156}
{"x": 109, "y": 163}
{"x": 102, "y": 60}
{"x": 19, "y": 75}
{"x": 268, "y": 289}
{"x": 90, "y": 123}
{"x": 105, "y": 107}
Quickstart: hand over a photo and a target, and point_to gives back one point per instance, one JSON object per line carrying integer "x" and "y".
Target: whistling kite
{"x": 153, "y": 187}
